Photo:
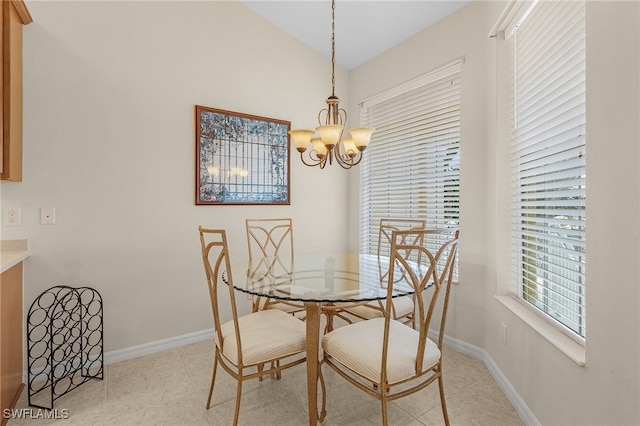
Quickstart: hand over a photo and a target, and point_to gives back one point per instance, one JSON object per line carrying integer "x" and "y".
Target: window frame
{"x": 569, "y": 342}
{"x": 429, "y": 87}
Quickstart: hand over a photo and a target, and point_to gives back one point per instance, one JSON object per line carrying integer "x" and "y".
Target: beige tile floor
{"x": 170, "y": 388}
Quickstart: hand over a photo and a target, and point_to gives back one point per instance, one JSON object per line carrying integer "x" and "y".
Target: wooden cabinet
{"x": 14, "y": 16}
{"x": 10, "y": 337}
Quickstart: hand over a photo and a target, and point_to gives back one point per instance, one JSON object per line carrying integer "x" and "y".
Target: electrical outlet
{"x": 11, "y": 216}
{"x": 47, "y": 216}
{"x": 503, "y": 333}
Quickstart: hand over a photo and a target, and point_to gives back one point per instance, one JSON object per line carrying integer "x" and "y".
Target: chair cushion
{"x": 358, "y": 347}
{"x": 265, "y": 336}
{"x": 403, "y": 307}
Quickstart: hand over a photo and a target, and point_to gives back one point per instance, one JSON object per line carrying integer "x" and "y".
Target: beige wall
{"x": 557, "y": 391}
{"x": 109, "y": 95}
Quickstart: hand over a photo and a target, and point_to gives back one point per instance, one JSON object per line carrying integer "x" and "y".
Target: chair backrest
{"x": 434, "y": 271}
{"x": 215, "y": 257}
{"x": 387, "y": 226}
{"x": 271, "y": 239}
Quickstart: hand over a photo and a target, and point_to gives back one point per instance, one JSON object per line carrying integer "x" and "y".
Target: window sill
{"x": 574, "y": 350}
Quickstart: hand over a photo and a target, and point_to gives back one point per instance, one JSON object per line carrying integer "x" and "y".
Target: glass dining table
{"x": 322, "y": 283}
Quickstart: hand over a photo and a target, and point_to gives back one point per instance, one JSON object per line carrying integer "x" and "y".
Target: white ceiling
{"x": 364, "y": 28}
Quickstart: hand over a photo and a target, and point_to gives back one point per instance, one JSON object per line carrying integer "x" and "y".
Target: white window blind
{"x": 548, "y": 161}
{"x": 411, "y": 167}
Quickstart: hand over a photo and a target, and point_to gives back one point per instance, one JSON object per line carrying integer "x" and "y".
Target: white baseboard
{"x": 512, "y": 395}
{"x": 157, "y": 346}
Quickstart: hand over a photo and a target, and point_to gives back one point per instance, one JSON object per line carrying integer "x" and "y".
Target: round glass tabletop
{"x": 327, "y": 277}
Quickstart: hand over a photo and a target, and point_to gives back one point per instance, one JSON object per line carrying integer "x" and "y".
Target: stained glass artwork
{"x": 241, "y": 158}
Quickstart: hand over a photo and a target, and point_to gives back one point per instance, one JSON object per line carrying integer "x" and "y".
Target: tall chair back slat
{"x": 270, "y": 244}
{"x": 215, "y": 257}
{"x": 413, "y": 257}
{"x": 385, "y": 232}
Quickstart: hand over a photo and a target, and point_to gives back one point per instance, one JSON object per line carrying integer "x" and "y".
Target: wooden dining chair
{"x": 245, "y": 344}
{"x": 385, "y": 357}
{"x": 270, "y": 244}
{"x": 402, "y": 307}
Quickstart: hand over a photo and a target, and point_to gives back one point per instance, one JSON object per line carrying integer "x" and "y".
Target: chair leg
{"x": 278, "y": 372}
{"x": 260, "y": 370}
{"x": 443, "y": 402}
{"x": 236, "y": 415}
{"x": 383, "y": 401}
{"x": 323, "y": 410}
{"x": 328, "y": 327}
{"x": 213, "y": 378}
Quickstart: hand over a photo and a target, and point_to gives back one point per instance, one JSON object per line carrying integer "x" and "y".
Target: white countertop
{"x": 13, "y": 252}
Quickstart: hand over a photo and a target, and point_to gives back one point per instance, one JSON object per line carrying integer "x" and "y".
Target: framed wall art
{"x": 241, "y": 158}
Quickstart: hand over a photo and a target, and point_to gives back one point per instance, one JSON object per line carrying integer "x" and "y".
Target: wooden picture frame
{"x": 241, "y": 158}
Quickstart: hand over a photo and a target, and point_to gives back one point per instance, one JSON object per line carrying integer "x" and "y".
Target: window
{"x": 548, "y": 148}
{"x": 412, "y": 165}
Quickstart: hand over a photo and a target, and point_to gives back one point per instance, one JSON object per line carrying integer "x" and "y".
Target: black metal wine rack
{"x": 65, "y": 342}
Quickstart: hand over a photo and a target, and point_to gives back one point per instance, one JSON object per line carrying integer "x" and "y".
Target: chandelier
{"x": 330, "y": 144}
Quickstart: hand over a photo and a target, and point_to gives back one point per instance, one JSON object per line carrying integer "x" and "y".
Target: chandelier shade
{"x": 332, "y": 144}
{"x": 301, "y": 138}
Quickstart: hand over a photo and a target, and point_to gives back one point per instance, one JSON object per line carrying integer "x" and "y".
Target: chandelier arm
{"x": 359, "y": 156}
{"x": 313, "y": 156}
{"x": 344, "y": 165}
{"x": 345, "y": 156}
{"x": 347, "y": 162}
{"x": 343, "y": 118}
{"x": 313, "y": 162}
{"x": 320, "y": 113}
{"x": 324, "y": 162}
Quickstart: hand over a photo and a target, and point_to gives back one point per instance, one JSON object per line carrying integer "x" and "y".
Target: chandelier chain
{"x": 333, "y": 47}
